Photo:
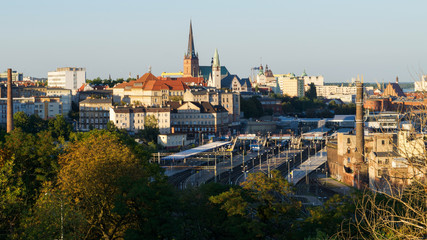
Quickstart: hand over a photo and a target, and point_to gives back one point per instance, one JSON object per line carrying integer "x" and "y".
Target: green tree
{"x": 151, "y": 129}
{"x": 311, "y": 92}
{"x": 265, "y": 201}
{"x": 60, "y": 127}
{"x": 11, "y": 197}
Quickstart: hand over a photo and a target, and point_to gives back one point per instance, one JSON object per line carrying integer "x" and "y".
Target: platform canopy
{"x": 194, "y": 151}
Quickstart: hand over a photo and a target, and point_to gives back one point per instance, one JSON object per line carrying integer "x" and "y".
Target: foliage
{"x": 263, "y": 201}
{"x": 52, "y": 217}
{"x": 29, "y": 124}
{"x": 59, "y": 127}
{"x": 252, "y": 107}
{"x": 91, "y": 172}
{"x": 151, "y": 129}
{"x": 311, "y": 92}
{"x": 11, "y": 197}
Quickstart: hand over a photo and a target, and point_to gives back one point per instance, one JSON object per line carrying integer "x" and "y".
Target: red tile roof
{"x": 149, "y": 82}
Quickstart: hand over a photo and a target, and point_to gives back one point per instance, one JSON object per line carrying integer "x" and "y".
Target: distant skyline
{"x": 337, "y": 39}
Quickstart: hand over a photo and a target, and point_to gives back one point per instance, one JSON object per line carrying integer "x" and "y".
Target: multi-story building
{"x": 134, "y": 118}
{"x": 317, "y": 80}
{"x": 16, "y": 76}
{"x": 48, "y": 107}
{"x": 291, "y": 86}
{"x": 94, "y": 113}
{"x": 67, "y": 77}
{"x": 229, "y": 100}
{"x": 44, "y": 107}
{"x": 196, "y": 118}
{"x": 148, "y": 91}
{"x": 65, "y": 96}
{"x": 236, "y": 84}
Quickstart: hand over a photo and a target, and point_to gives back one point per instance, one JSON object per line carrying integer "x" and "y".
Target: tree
{"x": 151, "y": 129}
{"x": 92, "y": 170}
{"x": 11, "y": 197}
{"x": 60, "y": 127}
{"x": 265, "y": 201}
{"x": 311, "y": 92}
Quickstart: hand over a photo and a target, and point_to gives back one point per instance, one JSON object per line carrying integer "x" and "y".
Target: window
{"x": 348, "y": 140}
{"x": 382, "y": 142}
{"x": 386, "y": 161}
{"x": 348, "y": 150}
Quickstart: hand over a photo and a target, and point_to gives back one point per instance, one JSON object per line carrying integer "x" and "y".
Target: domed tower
{"x": 191, "y": 59}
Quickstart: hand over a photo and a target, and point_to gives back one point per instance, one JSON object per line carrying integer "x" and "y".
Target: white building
{"x": 67, "y": 77}
{"x": 173, "y": 140}
{"x": 421, "y": 86}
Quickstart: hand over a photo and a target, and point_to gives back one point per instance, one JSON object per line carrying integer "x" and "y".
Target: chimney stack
{"x": 9, "y": 121}
{"x": 397, "y": 79}
{"x": 359, "y": 153}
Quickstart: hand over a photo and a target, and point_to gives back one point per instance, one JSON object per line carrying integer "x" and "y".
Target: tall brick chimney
{"x": 359, "y": 153}
{"x": 9, "y": 121}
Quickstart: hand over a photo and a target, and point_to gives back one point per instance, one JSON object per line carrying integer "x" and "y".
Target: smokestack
{"x": 359, "y": 153}
{"x": 9, "y": 121}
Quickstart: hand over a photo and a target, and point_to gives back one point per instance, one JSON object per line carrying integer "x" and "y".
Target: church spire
{"x": 190, "y": 51}
{"x": 216, "y": 59}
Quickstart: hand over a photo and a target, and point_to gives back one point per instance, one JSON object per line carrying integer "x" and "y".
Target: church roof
{"x": 205, "y": 71}
{"x": 394, "y": 89}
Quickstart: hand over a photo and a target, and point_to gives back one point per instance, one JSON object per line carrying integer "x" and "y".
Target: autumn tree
{"x": 92, "y": 170}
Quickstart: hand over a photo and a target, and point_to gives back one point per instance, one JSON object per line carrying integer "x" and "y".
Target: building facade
{"x": 67, "y": 77}
{"x": 94, "y": 114}
{"x": 134, "y": 118}
{"x": 291, "y": 86}
{"x": 16, "y": 76}
{"x": 149, "y": 91}
{"x": 196, "y": 118}
{"x": 229, "y": 100}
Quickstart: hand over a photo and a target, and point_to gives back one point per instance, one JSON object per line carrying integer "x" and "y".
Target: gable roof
{"x": 226, "y": 81}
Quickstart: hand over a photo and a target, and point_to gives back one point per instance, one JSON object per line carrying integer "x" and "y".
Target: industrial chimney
{"x": 359, "y": 153}
{"x": 9, "y": 121}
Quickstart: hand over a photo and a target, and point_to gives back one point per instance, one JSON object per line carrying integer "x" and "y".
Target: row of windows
{"x": 195, "y": 122}
{"x": 195, "y": 129}
{"x": 91, "y": 114}
{"x": 191, "y": 116}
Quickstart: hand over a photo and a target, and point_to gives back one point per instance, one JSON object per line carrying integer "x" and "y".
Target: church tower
{"x": 216, "y": 71}
{"x": 191, "y": 59}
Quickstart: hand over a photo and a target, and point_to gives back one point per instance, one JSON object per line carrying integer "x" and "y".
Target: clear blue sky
{"x": 335, "y": 38}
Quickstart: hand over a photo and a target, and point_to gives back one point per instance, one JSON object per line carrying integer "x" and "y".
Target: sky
{"x": 338, "y": 39}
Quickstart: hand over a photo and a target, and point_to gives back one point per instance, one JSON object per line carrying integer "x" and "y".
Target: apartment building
{"x": 195, "y": 118}
{"x": 94, "y": 114}
{"x": 134, "y": 118}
